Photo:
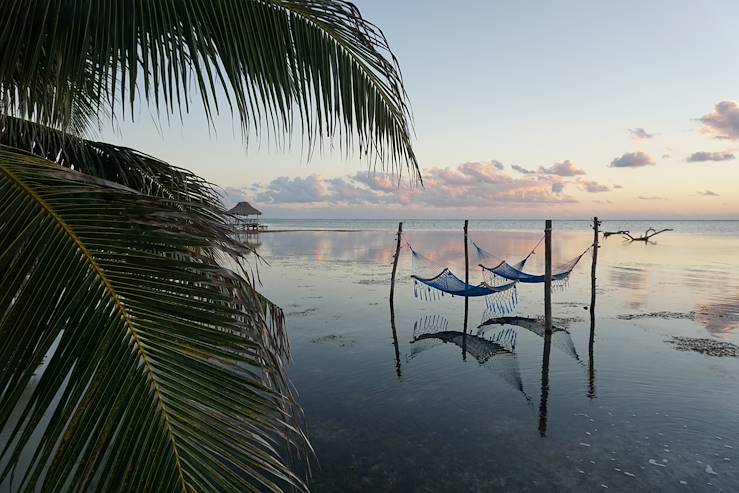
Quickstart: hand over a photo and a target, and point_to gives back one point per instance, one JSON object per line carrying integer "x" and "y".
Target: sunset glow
{"x": 519, "y": 112}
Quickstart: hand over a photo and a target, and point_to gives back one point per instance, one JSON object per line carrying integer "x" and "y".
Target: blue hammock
{"x": 507, "y": 271}
{"x": 447, "y": 282}
{"x": 500, "y": 298}
{"x": 512, "y": 273}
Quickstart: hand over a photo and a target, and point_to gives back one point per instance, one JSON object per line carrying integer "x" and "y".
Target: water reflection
{"x": 497, "y": 353}
{"x": 445, "y": 250}
{"x": 593, "y": 293}
{"x": 633, "y": 281}
{"x": 375, "y": 431}
{"x": 561, "y": 336}
{"x": 544, "y": 395}
{"x": 253, "y": 241}
{"x": 719, "y": 317}
{"x": 591, "y": 357}
{"x": 563, "y": 341}
{"x": 395, "y": 338}
{"x": 323, "y": 248}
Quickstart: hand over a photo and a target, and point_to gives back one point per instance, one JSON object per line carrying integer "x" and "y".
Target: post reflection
{"x": 591, "y": 346}
{"x": 395, "y": 338}
{"x": 464, "y": 331}
{"x": 591, "y": 357}
{"x": 544, "y": 396}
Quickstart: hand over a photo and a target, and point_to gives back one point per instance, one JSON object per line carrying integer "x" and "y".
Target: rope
{"x": 534, "y": 249}
{"x": 482, "y": 253}
{"x": 572, "y": 263}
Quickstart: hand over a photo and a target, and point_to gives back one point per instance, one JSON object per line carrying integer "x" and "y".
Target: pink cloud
{"x": 591, "y": 186}
{"x": 723, "y": 122}
{"x": 294, "y": 190}
{"x": 565, "y": 168}
{"x": 380, "y": 182}
{"x": 470, "y": 184}
{"x": 633, "y": 160}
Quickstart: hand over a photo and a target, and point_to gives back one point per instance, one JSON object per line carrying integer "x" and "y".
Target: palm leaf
{"x": 122, "y": 165}
{"x": 317, "y": 60}
{"x": 78, "y": 110}
{"x": 158, "y": 369}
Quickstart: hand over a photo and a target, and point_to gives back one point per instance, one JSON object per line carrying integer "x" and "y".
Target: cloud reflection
{"x": 719, "y": 317}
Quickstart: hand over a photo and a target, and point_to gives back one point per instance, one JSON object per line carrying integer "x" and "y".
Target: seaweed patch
{"x": 702, "y": 345}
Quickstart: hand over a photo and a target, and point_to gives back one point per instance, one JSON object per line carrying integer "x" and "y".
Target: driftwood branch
{"x": 606, "y": 234}
{"x": 648, "y": 234}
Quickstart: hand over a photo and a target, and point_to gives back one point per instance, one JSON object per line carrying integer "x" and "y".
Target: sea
{"x": 639, "y": 394}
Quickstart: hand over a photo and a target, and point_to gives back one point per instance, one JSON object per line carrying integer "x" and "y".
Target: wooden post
{"x": 591, "y": 341}
{"x": 596, "y": 223}
{"x": 548, "y": 275}
{"x": 395, "y": 263}
{"x": 466, "y": 256}
{"x": 466, "y": 299}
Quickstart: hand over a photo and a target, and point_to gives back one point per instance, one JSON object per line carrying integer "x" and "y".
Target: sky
{"x": 524, "y": 109}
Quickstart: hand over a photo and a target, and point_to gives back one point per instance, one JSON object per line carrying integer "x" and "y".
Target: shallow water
{"x": 456, "y": 412}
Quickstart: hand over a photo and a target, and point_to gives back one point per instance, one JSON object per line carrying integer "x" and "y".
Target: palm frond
{"x": 157, "y": 369}
{"x": 317, "y": 60}
{"x": 77, "y": 110}
{"x": 119, "y": 164}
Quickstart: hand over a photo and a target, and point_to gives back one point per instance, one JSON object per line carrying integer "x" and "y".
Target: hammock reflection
{"x": 496, "y": 353}
{"x": 561, "y": 337}
{"x": 558, "y": 336}
{"x": 494, "y": 346}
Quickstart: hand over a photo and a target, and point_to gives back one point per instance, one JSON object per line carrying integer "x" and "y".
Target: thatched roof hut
{"x": 244, "y": 209}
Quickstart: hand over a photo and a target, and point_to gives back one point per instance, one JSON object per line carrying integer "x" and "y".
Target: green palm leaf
{"x": 275, "y": 60}
{"x": 158, "y": 369}
{"x": 120, "y": 164}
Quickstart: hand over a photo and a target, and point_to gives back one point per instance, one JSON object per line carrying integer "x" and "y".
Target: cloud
{"x": 565, "y": 168}
{"x": 666, "y": 156}
{"x": 650, "y": 197}
{"x": 699, "y": 157}
{"x": 498, "y": 164}
{"x": 708, "y": 193}
{"x": 639, "y": 133}
{"x": 723, "y": 122}
{"x": 232, "y": 196}
{"x": 593, "y": 186}
{"x": 484, "y": 172}
{"x": 347, "y": 191}
{"x": 617, "y": 186}
{"x": 632, "y": 160}
{"x": 481, "y": 184}
{"x": 379, "y": 182}
{"x": 523, "y": 170}
{"x": 469, "y": 185}
{"x": 296, "y": 190}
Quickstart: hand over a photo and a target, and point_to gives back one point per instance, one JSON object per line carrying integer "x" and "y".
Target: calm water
{"x": 492, "y": 410}
{"x": 715, "y": 227}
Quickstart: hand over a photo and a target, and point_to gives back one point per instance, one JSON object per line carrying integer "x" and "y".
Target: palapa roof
{"x": 245, "y": 209}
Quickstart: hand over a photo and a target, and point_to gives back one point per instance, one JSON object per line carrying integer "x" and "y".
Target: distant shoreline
{"x": 316, "y": 230}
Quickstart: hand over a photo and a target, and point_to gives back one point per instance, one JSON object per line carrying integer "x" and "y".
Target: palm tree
{"x": 132, "y": 358}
